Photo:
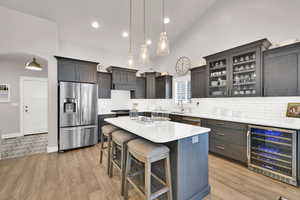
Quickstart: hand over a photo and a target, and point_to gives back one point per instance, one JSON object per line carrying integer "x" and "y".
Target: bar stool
{"x": 106, "y": 134}
{"x": 147, "y": 152}
{"x": 119, "y": 140}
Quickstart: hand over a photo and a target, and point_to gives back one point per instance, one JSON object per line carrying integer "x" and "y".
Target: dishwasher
{"x": 186, "y": 120}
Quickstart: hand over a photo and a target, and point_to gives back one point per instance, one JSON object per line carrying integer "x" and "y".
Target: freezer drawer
{"x": 70, "y": 138}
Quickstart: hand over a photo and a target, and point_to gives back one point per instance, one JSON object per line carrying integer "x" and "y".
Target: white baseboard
{"x": 11, "y": 135}
{"x": 52, "y": 149}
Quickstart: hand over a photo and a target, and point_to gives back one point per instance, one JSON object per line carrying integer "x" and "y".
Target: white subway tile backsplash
{"x": 264, "y": 108}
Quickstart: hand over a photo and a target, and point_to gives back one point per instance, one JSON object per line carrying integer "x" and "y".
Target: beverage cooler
{"x": 273, "y": 152}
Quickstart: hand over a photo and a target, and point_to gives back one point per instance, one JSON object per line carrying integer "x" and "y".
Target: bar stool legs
{"x": 148, "y": 180}
{"x": 148, "y": 174}
{"x": 102, "y": 148}
{"x": 119, "y": 140}
{"x": 122, "y": 163}
{"x": 168, "y": 177}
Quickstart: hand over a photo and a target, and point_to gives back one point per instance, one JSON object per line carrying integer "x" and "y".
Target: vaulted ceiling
{"x": 74, "y": 18}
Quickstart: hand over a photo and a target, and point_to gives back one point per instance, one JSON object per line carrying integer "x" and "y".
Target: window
{"x": 182, "y": 91}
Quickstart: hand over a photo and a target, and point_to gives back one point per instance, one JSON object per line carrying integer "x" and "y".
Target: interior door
{"x": 34, "y": 106}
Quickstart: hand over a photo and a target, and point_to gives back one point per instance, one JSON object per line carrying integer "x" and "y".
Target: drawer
{"x": 224, "y": 124}
{"x": 70, "y": 138}
{"x": 229, "y": 135}
{"x": 235, "y": 152}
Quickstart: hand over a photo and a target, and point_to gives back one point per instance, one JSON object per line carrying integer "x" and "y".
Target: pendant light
{"x": 130, "y": 57}
{"x": 144, "y": 53}
{"x": 33, "y": 65}
{"x": 163, "y": 48}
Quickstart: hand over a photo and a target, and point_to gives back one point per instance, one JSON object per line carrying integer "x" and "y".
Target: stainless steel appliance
{"x": 119, "y": 113}
{"x": 273, "y": 152}
{"x": 77, "y": 115}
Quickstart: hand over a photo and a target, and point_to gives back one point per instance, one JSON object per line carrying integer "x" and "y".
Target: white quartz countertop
{"x": 158, "y": 131}
{"x": 289, "y": 123}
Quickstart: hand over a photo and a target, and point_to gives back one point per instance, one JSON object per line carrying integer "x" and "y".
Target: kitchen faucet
{"x": 181, "y": 105}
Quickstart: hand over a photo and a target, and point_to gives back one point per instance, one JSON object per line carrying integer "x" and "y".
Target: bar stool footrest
{"x": 159, "y": 192}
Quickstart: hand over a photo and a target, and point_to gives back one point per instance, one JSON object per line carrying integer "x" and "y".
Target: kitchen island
{"x": 188, "y": 153}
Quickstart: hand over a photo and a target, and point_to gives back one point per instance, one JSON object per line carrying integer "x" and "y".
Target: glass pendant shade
{"x": 130, "y": 61}
{"x": 144, "y": 54}
{"x": 33, "y": 65}
{"x": 163, "y": 48}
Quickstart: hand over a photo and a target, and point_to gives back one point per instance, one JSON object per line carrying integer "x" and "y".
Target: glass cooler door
{"x": 272, "y": 149}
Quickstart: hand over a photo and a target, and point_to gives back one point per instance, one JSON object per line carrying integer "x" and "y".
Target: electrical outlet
{"x": 195, "y": 139}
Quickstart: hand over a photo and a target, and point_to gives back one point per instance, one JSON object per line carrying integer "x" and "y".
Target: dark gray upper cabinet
{"x": 140, "y": 91}
{"x": 151, "y": 84}
{"x": 163, "y": 86}
{"x": 281, "y": 71}
{"x": 76, "y": 70}
{"x": 87, "y": 72}
{"x": 104, "y": 85}
{"x": 199, "y": 82}
{"x": 67, "y": 70}
{"x": 236, "y": 72}
{"x": 123, "y": 78}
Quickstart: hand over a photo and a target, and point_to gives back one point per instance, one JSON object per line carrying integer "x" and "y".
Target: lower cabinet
{"x": 228, "y": 139}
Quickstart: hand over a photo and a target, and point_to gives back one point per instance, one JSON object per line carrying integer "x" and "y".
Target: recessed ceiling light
{"x": 95, "y": 24}
{"x": 166, "y": 20}
{"x": 125, "y": 34}
{"x": 149, "y": 41}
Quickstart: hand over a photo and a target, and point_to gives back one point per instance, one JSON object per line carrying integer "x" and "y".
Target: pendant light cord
{"x": 130, "y": 27}
{"x": 144, "y": 21}
{"x": 163, "y": 15}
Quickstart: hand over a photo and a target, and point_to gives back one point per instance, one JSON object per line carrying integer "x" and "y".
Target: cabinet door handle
{"x": 220, "y": 134}
{"x": 220, "y": 124}
{"x": 220, "y": 147}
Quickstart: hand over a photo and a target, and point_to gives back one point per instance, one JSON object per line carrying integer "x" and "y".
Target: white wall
{"x": 230, "y": 23}
{"x": 68, "y": 49}
{"x": 22, "y": 33}
{"x": 12, "y": 67}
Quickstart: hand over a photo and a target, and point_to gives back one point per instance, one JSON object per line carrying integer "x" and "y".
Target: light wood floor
{"x": 76, "y": 175}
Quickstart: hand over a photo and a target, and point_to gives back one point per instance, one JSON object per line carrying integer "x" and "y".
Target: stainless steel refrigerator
{"x": 77, "y": 115}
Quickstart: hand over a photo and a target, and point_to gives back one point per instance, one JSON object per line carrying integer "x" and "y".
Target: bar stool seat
{"x": 107, "y": 129}
{"x": 121, "y": 137}
{"x": 146, "y": 149}
{"x": 147, "y": 152}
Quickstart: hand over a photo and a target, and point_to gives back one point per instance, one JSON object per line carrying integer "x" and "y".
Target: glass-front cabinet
{"x": 246, "y": 74}
{"x": 237, "y": 72}
{"x": 218, "y": 78}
